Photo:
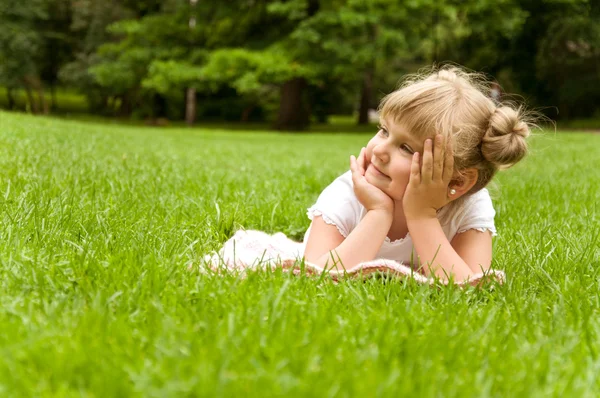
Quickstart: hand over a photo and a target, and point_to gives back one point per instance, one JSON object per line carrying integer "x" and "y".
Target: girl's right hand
{"x": 371, "y": 197}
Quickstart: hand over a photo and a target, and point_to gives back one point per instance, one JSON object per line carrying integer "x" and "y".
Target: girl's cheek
{"x": 401, "y": 168}
{"x": 369, "y": 149}
{"x": 368, "y": 156}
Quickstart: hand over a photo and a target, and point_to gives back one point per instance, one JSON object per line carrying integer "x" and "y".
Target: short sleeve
{"x": 478, "y": 213}
{"x": 338, "y": 205}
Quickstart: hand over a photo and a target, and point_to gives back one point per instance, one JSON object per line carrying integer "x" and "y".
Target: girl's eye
{"x": 382, "y": 132}
{"x": 406, "y": 148}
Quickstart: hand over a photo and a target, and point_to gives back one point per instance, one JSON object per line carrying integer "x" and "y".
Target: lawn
{"x": 100, "y": 220}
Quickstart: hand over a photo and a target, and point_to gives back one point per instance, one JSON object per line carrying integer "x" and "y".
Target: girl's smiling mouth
{"x": 376, "y": 171}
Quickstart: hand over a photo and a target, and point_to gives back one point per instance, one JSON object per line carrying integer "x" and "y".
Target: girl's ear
{"x": 462, "y": 183}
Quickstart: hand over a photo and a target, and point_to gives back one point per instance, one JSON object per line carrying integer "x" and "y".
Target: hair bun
{"x": 450, "y": 75}
{"x": 504, "y": 143}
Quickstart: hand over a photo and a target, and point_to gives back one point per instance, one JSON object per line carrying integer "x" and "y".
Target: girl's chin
{"x": 371, "y": 179}
{"x": 377, "y": 181}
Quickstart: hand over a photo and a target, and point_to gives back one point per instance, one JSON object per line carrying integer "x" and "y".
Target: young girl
{"x": 416, "y": 194}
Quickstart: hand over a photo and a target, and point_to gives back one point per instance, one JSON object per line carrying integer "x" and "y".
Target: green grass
{"x": 99, "y": 221}
{"x": 592, "y": 124}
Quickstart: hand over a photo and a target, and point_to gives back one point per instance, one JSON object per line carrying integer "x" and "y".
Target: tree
{"x": 21, "y": 48}
{"x": 58, "y": 43}
{"x": 164, "y": 38}
{"x": 332, "y": 42}
{"x": 88, "y": 28}
{"x": 190, "y": 95}
{"x": 569, "y": 63}
{"x": 545, "y": 61}
{"x": 355, "y": 38}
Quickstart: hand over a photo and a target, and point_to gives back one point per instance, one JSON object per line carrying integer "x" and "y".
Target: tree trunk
{"x": 190, "y": 106}
{"x": 33, "y": 82}
{"x": 42, "y": 99}
{"x": 293, "y": 111}
{"x": 246, "y": 113}
{"x": 126, "y": 106}
{"x": 159, "y": 107}
{"x": 10, "y": 98}
{"x": 365, "y": 97}
{"x": 32, "y": 102}
{"x": 53, "y": 101}
{"x": 190, "y": 95}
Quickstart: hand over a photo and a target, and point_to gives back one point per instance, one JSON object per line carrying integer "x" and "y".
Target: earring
{"x": 452, "y": 191}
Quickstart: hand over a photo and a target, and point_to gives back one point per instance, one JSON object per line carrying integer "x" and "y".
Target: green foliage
{"x": 127, "y": 55}
{"x": 20, "y": 41}
{"x": 162, "y": 54}
{"x": 165, "y": 76}
{"x": 344, "y": 39}
{"x": 471, "y": 32}
{"x": 569, "y": 61}
{"x": 248, "y": 71}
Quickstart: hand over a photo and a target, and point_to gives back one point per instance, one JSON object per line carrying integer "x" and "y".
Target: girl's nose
{"x": 381, "y": 153}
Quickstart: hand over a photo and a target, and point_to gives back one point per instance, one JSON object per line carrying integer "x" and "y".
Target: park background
{"x": 287, "y": 64}
{"x": 107, "y": 195}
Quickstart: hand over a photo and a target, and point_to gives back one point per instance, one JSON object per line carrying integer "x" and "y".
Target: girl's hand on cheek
{"x": 427, "y": 189}
{"x": 371, "y": 197}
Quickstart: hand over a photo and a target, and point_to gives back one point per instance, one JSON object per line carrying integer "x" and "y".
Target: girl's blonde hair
{"x": 452, "y": 102}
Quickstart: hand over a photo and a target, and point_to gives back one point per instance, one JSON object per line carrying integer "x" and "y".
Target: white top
{"x": 339, "y": 206}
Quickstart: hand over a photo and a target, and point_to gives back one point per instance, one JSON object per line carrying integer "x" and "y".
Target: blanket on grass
{"x": 257, "y": 250}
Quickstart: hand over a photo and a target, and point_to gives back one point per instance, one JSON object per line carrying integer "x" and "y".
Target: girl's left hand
{"x": 427, "y": 189}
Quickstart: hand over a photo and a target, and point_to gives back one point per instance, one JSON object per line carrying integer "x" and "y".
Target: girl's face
{"x": 389, "y": 156}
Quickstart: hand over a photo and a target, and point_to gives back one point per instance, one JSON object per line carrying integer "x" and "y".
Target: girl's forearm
{"x": 435, "y": 253}
{"x": 362, "y": 244}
